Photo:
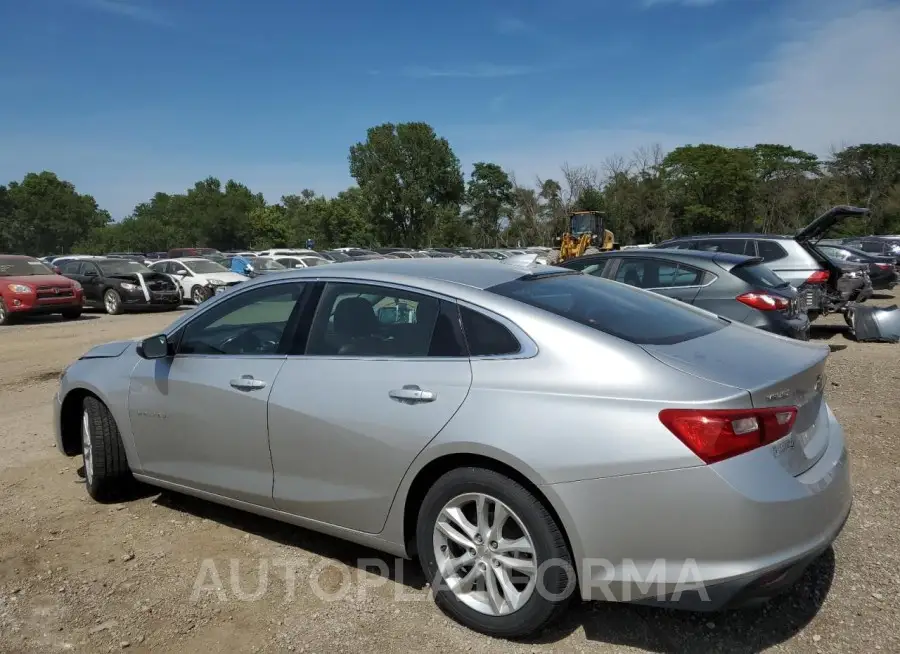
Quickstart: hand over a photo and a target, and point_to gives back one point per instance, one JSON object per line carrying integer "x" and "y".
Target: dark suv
{"x": 827, "y": 285}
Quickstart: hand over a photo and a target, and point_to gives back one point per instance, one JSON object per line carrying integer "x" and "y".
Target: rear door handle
{"x": 247, "y": 383}
{"x": 412, "y": 394}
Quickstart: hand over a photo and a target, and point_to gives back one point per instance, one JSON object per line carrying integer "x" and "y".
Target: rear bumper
{"x": 706, "y": 537}
{"x": 777, "y": 323}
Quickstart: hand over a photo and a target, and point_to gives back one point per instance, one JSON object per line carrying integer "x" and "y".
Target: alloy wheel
{"x": 87, "y": 448}
{"x": 485, "y": 554}
{"x": 111, "y": 302}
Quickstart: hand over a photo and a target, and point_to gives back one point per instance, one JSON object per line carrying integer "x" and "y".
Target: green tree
{"x": 489, "y": 196}
{"x": 408, "y": 176}
{"x": 48, "y": 216}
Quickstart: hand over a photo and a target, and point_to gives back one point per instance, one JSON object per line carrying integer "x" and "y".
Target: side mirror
{"x": 181, "y": 273}
{"x": 155, "y": 347}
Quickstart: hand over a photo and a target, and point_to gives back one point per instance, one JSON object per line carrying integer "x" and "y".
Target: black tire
{"x": 72, "y": 314}
{"x": 5, "y": 315}
{"x": 549, "y": 545}
{"x": 106, "y": 472}
{"x": 112, "y": 302}
{"x": 199, "y": 294}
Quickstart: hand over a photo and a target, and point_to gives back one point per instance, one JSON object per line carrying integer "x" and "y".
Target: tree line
{"x": 411, "y": 191}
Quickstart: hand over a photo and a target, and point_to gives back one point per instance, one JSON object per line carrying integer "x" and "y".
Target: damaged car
{"x": 119, "y": 285}
{"x": 829, "y": 286}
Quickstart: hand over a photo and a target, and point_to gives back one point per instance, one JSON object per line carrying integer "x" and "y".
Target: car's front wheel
{"x": 199, "y": 294}
{"x": 5, "y": 316}
{"x": 495, "y": 556}
{"x": 112, "y": 302}
{"x": 106, "y": 471}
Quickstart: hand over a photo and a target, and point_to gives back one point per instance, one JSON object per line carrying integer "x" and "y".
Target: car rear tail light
{"x": 718, "y": 434}
{"x": 764, "y": 301}
{"x": 818, "y": 277}
{"x": 884, "y": 266}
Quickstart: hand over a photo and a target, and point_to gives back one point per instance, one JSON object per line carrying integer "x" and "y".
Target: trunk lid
{"x": 818, "y": 228}
{"x": 775, "y": 372}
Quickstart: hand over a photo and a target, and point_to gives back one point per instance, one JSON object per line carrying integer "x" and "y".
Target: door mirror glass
{"x": 155, "y": 347}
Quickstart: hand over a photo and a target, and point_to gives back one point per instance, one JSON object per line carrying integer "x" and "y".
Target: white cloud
{"x": 137, "y": 10}
{"x": 833, "y": 81}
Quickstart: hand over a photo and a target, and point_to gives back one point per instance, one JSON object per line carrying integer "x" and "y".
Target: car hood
{"x": 226, "y": 276}
{"x": 819, "y": 227}
{"x": 108, "y": 350}
{"x": 37, "y": 280}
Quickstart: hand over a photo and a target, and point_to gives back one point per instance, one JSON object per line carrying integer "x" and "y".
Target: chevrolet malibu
{"x": 528, "y": 433}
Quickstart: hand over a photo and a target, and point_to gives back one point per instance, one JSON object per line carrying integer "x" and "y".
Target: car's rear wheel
{"x": 106, "y": 472}
{"x": 112, "y": 302}
{"x": 496, "y": 558}
{"x": 73, "y": 314}
{"x": 199, "y": 294}
{"x": 5, "y": 316}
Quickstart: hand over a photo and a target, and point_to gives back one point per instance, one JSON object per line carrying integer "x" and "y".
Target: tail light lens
{"x": 718, "y": 434}
{"x": 818, "y": 277}
{"x": 764, "y": 301}
{"x": 884, "y": 266}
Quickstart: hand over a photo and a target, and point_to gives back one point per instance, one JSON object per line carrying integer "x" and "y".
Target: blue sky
{"x": 126, "y": 97}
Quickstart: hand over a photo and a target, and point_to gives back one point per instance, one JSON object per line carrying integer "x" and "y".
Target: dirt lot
{"x": 76, "y": 575}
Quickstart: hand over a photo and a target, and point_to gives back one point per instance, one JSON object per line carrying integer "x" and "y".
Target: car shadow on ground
{"x": 53, "y": 319}
{"x": 829, "y": 332}
{"x": 651, "y": 629}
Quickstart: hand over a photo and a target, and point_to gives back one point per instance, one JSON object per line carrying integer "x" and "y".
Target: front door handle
{"x": 247, "y": 383}
{"x": 412, "y": 394}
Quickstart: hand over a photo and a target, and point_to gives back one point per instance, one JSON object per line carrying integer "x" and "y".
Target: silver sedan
{"x": 529, "y": 433}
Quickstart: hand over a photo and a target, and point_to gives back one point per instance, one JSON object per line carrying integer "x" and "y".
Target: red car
{"x": 29, "y": 287}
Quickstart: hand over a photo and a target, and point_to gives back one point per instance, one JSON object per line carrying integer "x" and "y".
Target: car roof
{"x": 474, "y": 273}
{"x": 725, "y": 258}
{"x": 695, "y": 237}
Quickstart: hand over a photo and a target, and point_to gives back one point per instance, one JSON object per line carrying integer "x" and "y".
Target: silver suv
{"x": 827, "y": 286}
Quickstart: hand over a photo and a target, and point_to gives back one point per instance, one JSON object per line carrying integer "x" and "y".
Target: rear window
{"x": 617, "y": 309}
{"x": 758, "y": 275}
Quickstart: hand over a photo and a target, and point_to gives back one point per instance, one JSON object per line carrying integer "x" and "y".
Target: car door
{"x": 92, "y": 282}
{"x": 199, "y": 417}
{"x": 183, "y": 275}
{"x": 385, "y": 368}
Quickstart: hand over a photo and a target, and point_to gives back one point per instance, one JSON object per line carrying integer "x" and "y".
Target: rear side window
{"x": 770, "y": 251}
{"x": 485, "y": 336}
{"x": 758, "y": 275}
{"x": 615, "y": 309}
{"x": 729, "y": 245}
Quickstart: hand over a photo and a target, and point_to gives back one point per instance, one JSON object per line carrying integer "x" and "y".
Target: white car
{"x": 198, "y": 278}
{"x": 296, "y": 261}
{"x": 288, "y": 252}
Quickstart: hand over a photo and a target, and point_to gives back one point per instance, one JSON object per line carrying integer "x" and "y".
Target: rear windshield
{"x": 617, "y": 309}
{"x": 758, "y": 275}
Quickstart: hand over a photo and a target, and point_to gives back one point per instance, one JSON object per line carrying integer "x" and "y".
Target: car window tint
{"x": 729, "y": 245}
{"x": 589, "y": 266}
{"x": 758, "y": 275}
{"x": 89, "y": 268}
{"x": 615, "y": 309}
{"x": 250, "y": 323}
{"x": 671, "y": 275}
{"x": 770, "y": 251}
{"x": 631, "y": 272}
{"x": 71, "y": 267}
{"x": 487, "y": 337}
{"x": 369, "y": 320}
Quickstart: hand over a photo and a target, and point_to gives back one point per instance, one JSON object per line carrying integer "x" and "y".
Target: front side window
{"x": 365, "y": 320}
{"x": 614, "y": 309}
{"x": 251, "y": 323}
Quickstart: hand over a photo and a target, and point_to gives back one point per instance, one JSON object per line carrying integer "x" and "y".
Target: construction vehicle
{"x": 587, "y": 235}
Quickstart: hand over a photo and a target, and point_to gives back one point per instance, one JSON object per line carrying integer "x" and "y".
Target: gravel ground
{"x": 76, "y": 575}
